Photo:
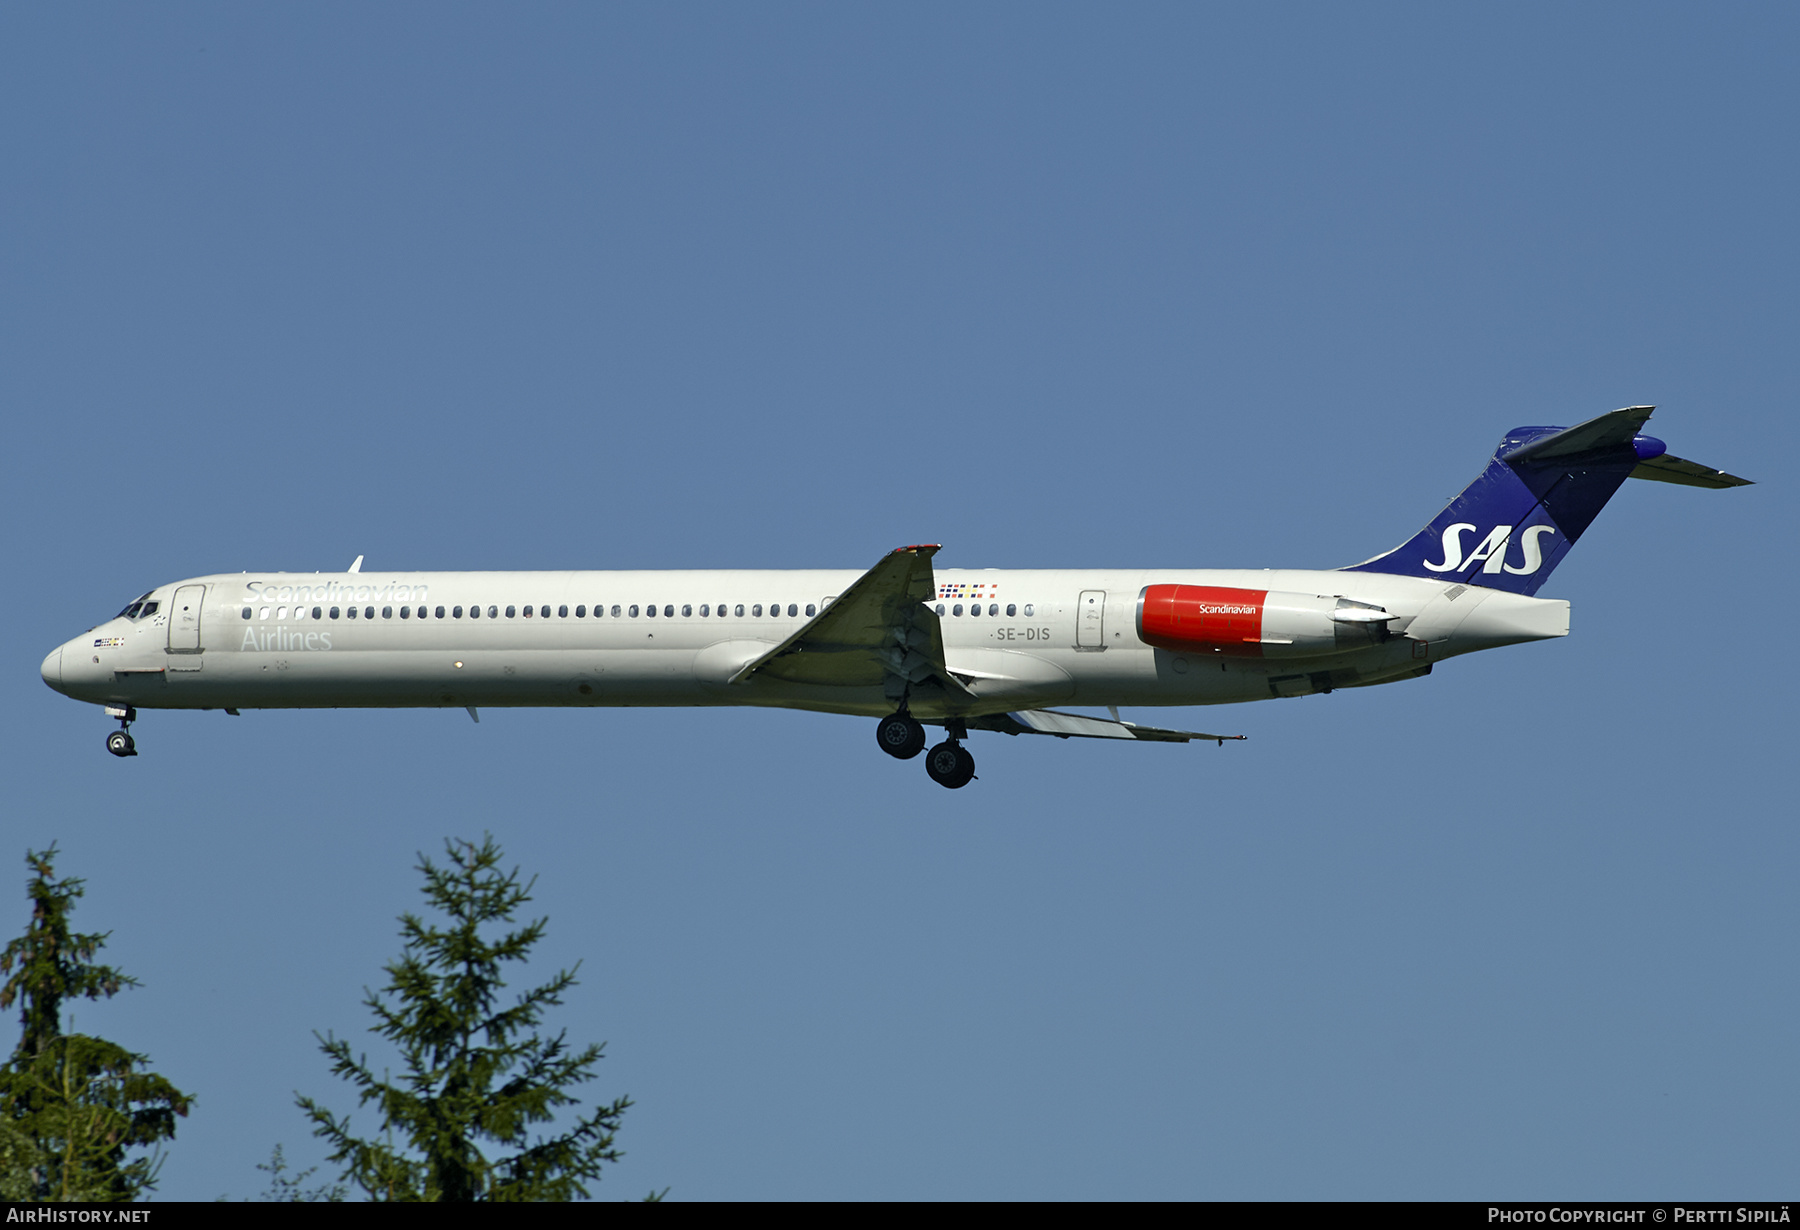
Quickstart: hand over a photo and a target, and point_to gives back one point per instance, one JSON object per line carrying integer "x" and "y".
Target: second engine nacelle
{"x": 1255, "y": 623}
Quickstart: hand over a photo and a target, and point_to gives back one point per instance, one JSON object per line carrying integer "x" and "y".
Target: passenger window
{"x": 686, "y": 610}
{"x": 512, "y": 612}
{"x": 581, "y": 611}
{"x": 615, "y": 611}
{"x": 1028, "y": 608}
{"x": 957, "y": 609}
{"x": 1011, "y": 610}
{"x": 740, "y": 610}
{"x": 439, "y": 613}
{"x": 494, "y": 611}
{"x": 993, "y": 608}
{"x": 474, "y": 612}
{"x": 387, "y": 612}
{"x": 809, "y": 610}
{"x": 757, "y": 610}
{"x": 456, "y": 611}
{"x": 404, "y": 612}
{"x": 246, "y": 612}
{"x": 705, "y": 610}
{"x": 351, "y": 612}
{"x": 650, "y": 611}
{"x": 317, "y": 612}
{"x": 281, "y": 612}
{"x": 334, "y": 612}
{"x": 544, "y": 611}
{"x": 562, "y": 612}
{"x": 792, "y": 610}
{"x": 634, "y": 611}
{"x": 263, "y": 614}
{"x": 669, "y": 611}
{"x": 527, "y": 612}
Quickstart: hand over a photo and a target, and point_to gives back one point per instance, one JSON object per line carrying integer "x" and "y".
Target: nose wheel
{"x": 950, "y": 765}
{"x": 120, "y": 742}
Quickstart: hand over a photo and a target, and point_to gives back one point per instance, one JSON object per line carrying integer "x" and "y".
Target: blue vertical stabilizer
{"x": 1544, "y": 487}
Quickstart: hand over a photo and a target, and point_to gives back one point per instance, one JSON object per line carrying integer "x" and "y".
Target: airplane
{"x": 905, "y": 643}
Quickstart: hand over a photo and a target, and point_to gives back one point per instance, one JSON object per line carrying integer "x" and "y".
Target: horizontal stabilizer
{"x": 1608, "y": 433}
{"x": 1667, "y": 469}
{"x": 1080, "y": 726}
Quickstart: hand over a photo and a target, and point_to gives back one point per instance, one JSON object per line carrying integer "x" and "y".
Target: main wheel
{"x": 900, "y": 736}
{"x": 119, "y": 744}
{"x": 950, "y": 765}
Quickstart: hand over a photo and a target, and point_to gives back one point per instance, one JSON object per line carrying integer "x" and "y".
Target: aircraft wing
{"x": 879, "y": 628}
{"x": 1080, "y": 726}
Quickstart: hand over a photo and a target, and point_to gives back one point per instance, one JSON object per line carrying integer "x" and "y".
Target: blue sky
{"x": 645, "y": 286}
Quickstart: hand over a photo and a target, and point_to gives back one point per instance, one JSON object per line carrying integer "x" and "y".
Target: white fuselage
{"x": 287, "y": 640}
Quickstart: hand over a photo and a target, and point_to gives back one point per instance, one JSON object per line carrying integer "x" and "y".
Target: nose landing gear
{"x": 119, "y": 742}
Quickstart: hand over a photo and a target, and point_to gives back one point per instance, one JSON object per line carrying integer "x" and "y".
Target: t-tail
{"x": 1545, "y": 485}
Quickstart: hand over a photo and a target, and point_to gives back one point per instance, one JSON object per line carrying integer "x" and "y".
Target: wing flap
{"x": 1080, "y": 726}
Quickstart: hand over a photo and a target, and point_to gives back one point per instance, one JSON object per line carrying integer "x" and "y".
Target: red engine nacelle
{"x": 1253, "y": 623}
{"x": 1202, "y": 617}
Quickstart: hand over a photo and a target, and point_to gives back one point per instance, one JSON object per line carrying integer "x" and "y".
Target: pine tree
{"x": 286, "y": 1187}
{"x": 73, "y": 1106}
{"x": 476, "y": 1073}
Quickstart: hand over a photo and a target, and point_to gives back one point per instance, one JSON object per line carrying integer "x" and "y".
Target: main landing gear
{"x": 900, "y": 735}
{"x": 119, "y": 742}
{"x": 948, "y": 764}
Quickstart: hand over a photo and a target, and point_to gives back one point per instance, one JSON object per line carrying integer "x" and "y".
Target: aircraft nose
{"x": 51, "y": 670}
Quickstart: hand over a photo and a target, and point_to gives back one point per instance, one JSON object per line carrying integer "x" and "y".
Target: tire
{"x": 950, "y": 765}
{"x": 120, "y": 744}
{"x": 900, "y": 736}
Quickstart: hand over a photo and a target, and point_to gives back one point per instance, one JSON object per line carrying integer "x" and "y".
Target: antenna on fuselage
{"x": 357, "y": 565}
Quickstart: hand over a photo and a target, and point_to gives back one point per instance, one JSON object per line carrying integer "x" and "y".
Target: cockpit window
{"x": 136, "y": 609}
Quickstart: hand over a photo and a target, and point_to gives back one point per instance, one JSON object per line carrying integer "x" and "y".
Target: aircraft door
{"x": 184, "y": 619}
{"x": 1090, "y": 620}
